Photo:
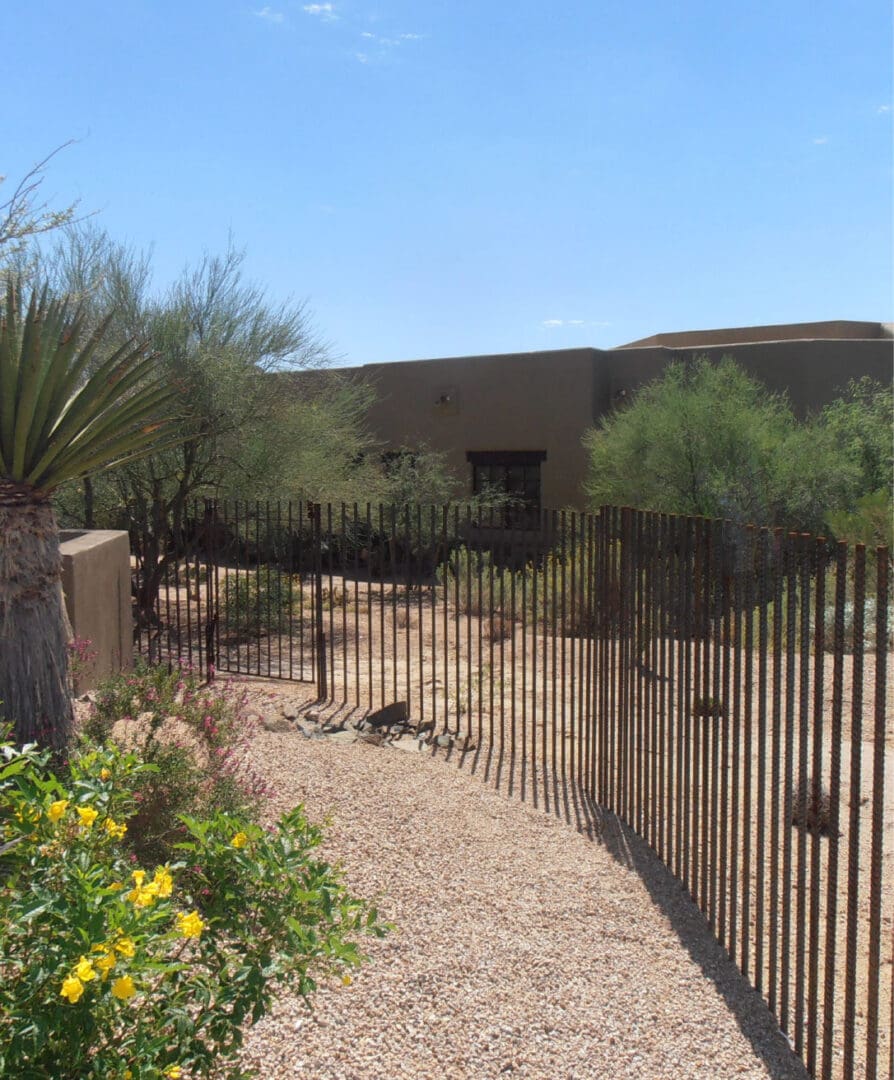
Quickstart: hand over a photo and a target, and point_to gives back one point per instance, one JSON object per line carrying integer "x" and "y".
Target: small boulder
{"x": 276, "y": 723}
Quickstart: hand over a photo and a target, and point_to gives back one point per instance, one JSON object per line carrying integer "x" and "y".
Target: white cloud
{"x": 411, "y": 37}
{"x": 367, "y": 34}
{"x": 883, "y": 109}
{"x": 325, "y": 11}
{"x": 554, "y": 323}
{"x": 362, "y": 57}
{"x": 821, "y": 141}
{"x": 269, "y": 15}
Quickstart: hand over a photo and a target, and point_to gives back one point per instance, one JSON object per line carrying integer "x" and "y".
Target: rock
{"x": 328, "y": 729}
{"x": 312, "y": 717}
{"x": 426, "y": 728}
{"x": 372, "y": 737}
{"x": 396, "y": 713}
{"x": 291, "y": 711}
{"x": 90, "y": 697}
{"x": 444, "y": 740}
{"x": 276, "y": 723}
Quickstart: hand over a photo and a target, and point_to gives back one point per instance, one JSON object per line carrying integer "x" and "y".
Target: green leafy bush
{"x": 111, "y": 968}
{"x": 268, "y": 599}
{"x": 194, "y": 735}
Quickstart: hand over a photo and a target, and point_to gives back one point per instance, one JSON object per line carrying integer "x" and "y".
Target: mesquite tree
{"x": 65, "y": 410}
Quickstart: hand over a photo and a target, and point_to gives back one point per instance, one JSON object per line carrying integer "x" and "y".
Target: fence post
{"x": 210, "y": 590}
{"x": 315, "y": 513}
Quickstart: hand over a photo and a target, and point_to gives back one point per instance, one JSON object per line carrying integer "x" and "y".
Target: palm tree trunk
{"x": 34, "y": 690}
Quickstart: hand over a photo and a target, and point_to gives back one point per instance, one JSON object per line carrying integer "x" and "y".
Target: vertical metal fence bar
{"x": 678, "y": 719}
{"x": 829, "y": 981}
{"x": 747, "y": 752}
{"x": 441, "y": 560}
{"x": 856, "y": 792}
{"x": 636, "y": 675}
{"x": 733, "y": 693}
{"x": 684, "y": 713}
{"x": 764, "y": 594}
{"x": 696, "y": 696}
{"x": 489, "y": 614}
{"x": 430, "y": 540}
{"x": 571, "y": 633}
{"x": 382, "y": 566}
{"x": 718, "y": 724}
{"x": 356, "y": 545}
{"x": 815, "y": 794}
{"x": 663, "y": 670}
{"x": 882, "y": 557}
{"x": 419, "y": 577}
{"x": 805, "y": 562}
{"x": 791, "y": 611}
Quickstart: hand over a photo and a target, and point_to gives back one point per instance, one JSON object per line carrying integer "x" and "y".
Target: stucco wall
{"x": 812, "y": 373}
{"x": 525, "y": 401}
{"x": 96, "y": 584}
{"x": 546, "y": 400}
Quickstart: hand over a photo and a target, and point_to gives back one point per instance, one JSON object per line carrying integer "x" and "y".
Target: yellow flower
{"x": 128, "y": 1075}
{"x": 190, "y": 925}
{"x": 126, "y": 947}
{"x": 239, "y": 840}
{"x": 116, "y": 886}
{"x": 113, "y": 829}
{"x": 72, "y": 988}
{"x": 57, "y": 809}
{"x": 143, "y": 895}
{"x": 105, "y": 774}
{"x": 123, "y": 988}
{"x": 84, "y": 969}
{"x": 346, "y": 980}
{"x": 105, "y": 964}
{"x": 173, "y": 1072}
{"x": 87, "y": 815}
{"x": 163, "y": 881}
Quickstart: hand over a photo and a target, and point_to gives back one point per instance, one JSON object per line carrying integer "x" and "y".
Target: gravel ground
{"x": 525, "y": 947}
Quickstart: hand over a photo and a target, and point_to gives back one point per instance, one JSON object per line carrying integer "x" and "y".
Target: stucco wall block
{"x": 96, "y": 584}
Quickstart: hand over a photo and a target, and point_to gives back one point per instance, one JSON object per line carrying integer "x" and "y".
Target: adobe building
{"x": 516, "y": 420}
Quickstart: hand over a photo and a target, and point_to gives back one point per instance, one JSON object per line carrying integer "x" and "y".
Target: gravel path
{"x": 525, "y": 948}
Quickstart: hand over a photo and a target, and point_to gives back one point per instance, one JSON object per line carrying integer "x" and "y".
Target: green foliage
{"x": 194, "y": 737}
{"x": 251, "y": 602}
{"x": 62, "y": 416}
{"x": 870, "y": 522}
{"x": 473, "y": 582}
{"x": 861, "y": 424}
{"x": 707, "y": 439}
{"x": 113, "y": 970}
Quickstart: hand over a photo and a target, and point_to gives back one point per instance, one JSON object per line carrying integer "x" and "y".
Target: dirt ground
{"x": 713, "y": 794}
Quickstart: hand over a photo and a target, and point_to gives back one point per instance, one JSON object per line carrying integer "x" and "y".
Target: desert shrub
{"x": 467, "y": 574}
{"x": 253, "y": 602}
{"x": 709, "y": 439}
{"x": 869, "y": 626}
{"x": 194, "y": 736}
{"x": 113, "y": 968}
{"x": 812, "y": 808}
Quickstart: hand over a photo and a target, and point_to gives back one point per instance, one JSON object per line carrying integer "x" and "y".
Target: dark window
{"x": 515, "y": 473}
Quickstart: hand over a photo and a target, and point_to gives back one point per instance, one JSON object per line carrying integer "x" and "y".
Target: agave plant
{"x": 66, "y": 410}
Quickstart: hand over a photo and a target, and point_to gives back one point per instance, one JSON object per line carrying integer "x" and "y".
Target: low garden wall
{"x": 96, "y": 584}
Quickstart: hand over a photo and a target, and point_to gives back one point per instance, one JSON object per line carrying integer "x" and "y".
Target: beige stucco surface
{"x": 96, "y": 585}
{"x": 546, "y": 400}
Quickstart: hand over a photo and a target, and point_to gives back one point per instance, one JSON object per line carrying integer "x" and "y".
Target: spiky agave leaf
{"x": 59, "y": 419}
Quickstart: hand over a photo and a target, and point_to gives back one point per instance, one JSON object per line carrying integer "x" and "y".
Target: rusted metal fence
{"x": 723, "y": 689}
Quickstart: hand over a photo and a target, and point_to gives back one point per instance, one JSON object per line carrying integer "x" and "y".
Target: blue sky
{"x": 441, "y": 178}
